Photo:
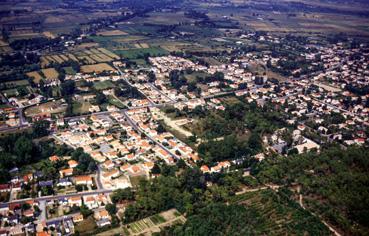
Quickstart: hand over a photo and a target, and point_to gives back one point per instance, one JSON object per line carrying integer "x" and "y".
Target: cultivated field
{"x": 112, "y": 33}
{"x": 155, "y": 223}
{"x": 84, "y": 56}
{"x": 97, "y": 68}
{"x": 36, "y": 76}
{"x": 50, "y": 73}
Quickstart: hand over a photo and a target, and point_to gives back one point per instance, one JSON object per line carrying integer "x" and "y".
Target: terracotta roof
{"x": 83, "y": 178}
{"x": 54, "y": 158}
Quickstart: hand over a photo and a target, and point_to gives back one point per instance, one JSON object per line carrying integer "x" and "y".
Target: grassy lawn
{"x": 102, "y": 85}
{"x": 135, "y": 180}
{"x": 116, "y": 102}
{"x": 192, "y": 77}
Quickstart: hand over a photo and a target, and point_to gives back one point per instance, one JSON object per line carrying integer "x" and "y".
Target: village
{"x": 125, "y": 137}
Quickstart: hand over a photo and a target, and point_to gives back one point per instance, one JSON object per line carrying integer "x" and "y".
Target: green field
{"x": 14, "y": 84}
{"x": 140, "y": 52}
{"x": 69, "y": 70}
{"x": 10, "y": 92}
{"x": 102, "y": 85}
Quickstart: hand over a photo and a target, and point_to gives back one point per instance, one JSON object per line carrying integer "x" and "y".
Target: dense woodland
{"x": 240, "y": 128}
{"x": 334, "y": 184}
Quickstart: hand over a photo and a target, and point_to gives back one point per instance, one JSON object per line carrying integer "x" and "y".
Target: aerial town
{"x": 132, "y": 125}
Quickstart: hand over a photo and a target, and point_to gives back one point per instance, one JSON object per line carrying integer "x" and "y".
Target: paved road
{"x": 161, "y": 92}
{"x": 98, "y": 178}
{"x": 43, "y": 210}
{"x": 55, "y": 197}
{"x": 138, "y": 129}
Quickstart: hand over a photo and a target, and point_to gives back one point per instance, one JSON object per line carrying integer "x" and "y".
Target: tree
{"x": 26, "y": 206}
{"x": 181, "y": 164}
{"x": 255, "y": 142}
{"x": 219, "y": 76}
{"x": 85, "y": 211}
{"x": 160, "y": 129}
{"x": 68, "y": 87}
{"x": 122, "y": 195}
{"x": 112, "y": 209}
{"x": 40, "y": 128}
{"x": 23, "y": 149}
{"x": 156, "y": 169}
{"x": 101, "y": 98}
{"x": 152, "y": 77}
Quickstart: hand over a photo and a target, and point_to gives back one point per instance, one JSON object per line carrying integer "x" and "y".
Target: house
{"x": 48, "y": 183}
{"x": 43, "y": 233}
{"x": 103, "y": 222}
{"x": 54, "y": 158}
{"x": 111, "y": 174}
{"x": 77, "y": 218}
{"x": 102, "y": 214}
{"x": 28, "y": 213}
{"x": 97, "y": 156}
{"x": 3, "y": 232}
{"x": 17, "y": 187}
{"x": 27, "y": 178}
{"x": 108, "y": 164}
{"x": 66, "y": 172}
{"x": 83, "y": 180}
{"x": 307, "y": 145}
{"x": 72, "y": 164}
{"x": 205, "y": 169}
{"x": 221, "y": 166}
{"x": 77, "y": 201}
{"x": 101, "y": 199}
{"x": 64, "y": 182}
{"x": 5, "y": 188}
{"x": 4, "y": 209}
{"x": 90, "y": 201}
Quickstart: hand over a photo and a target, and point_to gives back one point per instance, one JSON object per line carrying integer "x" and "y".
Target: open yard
{"x": 53, "y": 107}
{"x": 86, "y": 226}
{"x": 80, "y": 107}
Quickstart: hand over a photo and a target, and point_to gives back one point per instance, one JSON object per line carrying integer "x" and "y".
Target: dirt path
{"x": 335, "y": 232}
